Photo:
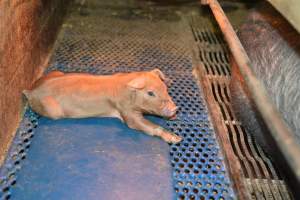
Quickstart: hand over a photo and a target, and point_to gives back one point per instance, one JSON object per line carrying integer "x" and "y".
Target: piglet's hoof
{"x": 171, "y": 137}
{"x": 173, "y": 118}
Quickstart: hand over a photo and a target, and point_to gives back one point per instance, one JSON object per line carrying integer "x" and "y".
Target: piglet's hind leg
{"x": 51, "y": 108}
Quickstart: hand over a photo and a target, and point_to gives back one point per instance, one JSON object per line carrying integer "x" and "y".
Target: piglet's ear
{"x": 159, "y": 74}
{"x": 137, "y": 83}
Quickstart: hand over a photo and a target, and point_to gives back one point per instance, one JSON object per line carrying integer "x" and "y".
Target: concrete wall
{"x": 27, "y": 33}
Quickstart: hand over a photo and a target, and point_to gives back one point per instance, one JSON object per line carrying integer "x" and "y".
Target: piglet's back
{"x": 70, "y": 84}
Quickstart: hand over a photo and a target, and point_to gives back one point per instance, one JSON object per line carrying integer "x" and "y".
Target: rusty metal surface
{"x": 280, "y": 132}
{"x": 27, "y": 33}
{"x": 261, "y": 177}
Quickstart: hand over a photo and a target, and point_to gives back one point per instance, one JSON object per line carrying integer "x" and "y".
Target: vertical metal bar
{"x": 283, "y": 136}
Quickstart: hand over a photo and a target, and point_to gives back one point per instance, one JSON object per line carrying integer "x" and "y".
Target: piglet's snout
{"x": 170, "y": 109}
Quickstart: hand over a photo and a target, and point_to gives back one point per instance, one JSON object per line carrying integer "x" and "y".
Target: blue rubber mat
{"x": 93, "y": 159}
{"x": 101, "y": 158}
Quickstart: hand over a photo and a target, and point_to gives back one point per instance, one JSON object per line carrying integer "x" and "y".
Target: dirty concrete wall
{"x": 27, "y": 33}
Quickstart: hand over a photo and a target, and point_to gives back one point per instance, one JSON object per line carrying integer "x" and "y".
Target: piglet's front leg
{"x": 138, "y": 122}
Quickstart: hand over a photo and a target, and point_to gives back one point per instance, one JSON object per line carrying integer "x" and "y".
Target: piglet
{"x": 124, "y": 95}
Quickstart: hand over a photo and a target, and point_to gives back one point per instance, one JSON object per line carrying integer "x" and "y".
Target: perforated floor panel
{"x": 101, "y": 158}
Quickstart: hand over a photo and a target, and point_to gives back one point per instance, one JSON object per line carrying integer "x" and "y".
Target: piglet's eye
{"x": 150, "y": 93}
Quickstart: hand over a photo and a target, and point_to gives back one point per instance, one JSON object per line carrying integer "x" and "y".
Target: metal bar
{"x": 283, "y": 136}
{"x": 234, "y": 166}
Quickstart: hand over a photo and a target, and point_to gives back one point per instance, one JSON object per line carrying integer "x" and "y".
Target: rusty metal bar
{"x": 283, "y": 136}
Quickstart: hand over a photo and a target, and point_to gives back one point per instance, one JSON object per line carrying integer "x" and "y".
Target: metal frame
{"x": 282, "y": 135}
